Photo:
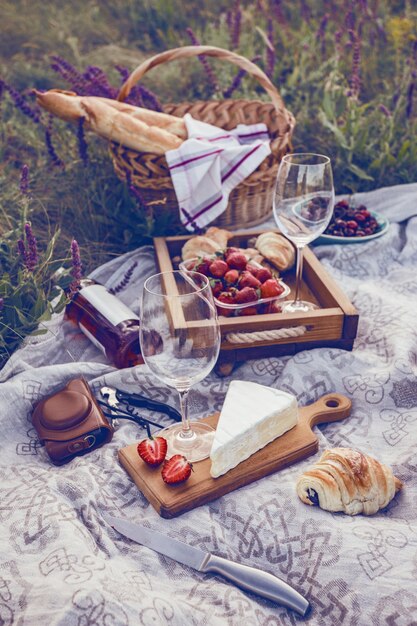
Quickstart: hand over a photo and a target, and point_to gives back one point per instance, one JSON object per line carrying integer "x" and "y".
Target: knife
{"x": 244, "y": 576}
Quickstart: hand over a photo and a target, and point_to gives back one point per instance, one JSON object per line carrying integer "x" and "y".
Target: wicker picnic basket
{"x": 250, "y": 203}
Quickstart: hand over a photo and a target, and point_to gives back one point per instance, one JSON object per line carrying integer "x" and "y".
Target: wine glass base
{"x": 298, "y": 306}
{"x": 194, "y": 448}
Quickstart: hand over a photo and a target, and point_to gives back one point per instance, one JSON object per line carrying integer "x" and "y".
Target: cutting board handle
{"x": 331, "y": 407}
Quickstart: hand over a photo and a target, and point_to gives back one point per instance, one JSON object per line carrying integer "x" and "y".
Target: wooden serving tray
{"x": 296, "y": 444}
{"x": 333, "y": 324}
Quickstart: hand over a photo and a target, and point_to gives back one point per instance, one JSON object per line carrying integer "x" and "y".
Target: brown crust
{"x": 277, "y": 249}
{"x": 128, "y": 131}
{"x": 133, "y": 127}
{"x": 199, "y": 246}
{"x": 353, "y": 482}
{"x": 398, "y": 484}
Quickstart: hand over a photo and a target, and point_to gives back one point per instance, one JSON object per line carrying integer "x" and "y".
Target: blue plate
{"x": 383, "y": 227}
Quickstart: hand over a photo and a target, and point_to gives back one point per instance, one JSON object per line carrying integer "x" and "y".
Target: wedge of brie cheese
{"x": 252, "y": 416}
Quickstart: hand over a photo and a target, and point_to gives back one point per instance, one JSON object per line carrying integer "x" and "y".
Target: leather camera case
{"x": 71, "y": 423}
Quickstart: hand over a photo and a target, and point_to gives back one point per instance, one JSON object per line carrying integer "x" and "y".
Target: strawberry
{"x": 271, "y": 289}
{"x": 176, "y": 470}
{"x": 216, "y": 286}
{"x": 252, "y": 269}
{"x": 236, "y": 261}
{"x": 153, "y": 450}
{"x": 248, "y": 280}
{"x": 203, "y": 266}
{"x": 218, "y": 268}
{"x": 231, "y": 277}
{"x": 227, "y": 298}
{"x": 249, "y": 310}
{"x": 230, "y": 251}
{"x": 247, "y": 294}
{"x": 263, "y": 274}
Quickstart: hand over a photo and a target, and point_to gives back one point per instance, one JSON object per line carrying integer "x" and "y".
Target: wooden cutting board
{"x": 296, "y": 444}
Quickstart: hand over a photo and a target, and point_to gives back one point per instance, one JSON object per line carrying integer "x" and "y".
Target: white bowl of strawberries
{"x": 240, "y": 286}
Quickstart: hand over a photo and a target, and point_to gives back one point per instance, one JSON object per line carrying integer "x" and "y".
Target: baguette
{"x": 67, "y": 106}
{"x": 126, "y": 130}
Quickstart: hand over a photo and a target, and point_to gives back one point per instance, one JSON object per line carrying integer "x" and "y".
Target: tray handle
{"x": 331, "y": 407}
{"x": 211, "y": 51}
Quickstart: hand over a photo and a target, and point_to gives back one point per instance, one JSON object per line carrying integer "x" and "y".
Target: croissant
{"x": 199, "y": 246}
{"x": 348, "y": 480}
{"x": 219, "y": 235}
{"x": 277, "y": 249}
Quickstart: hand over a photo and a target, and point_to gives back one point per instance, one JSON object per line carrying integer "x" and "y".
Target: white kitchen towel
{"x": 210, "y": 163}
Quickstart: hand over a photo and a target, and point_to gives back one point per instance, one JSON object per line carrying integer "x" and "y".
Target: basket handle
{"x": 211, "y": 51}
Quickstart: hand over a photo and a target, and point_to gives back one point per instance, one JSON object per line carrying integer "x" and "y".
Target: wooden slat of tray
{"x": 298, "y": 443}
{"x": 333, "y": 324}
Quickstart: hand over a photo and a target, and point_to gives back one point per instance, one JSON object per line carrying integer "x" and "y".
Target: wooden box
{"x": 333, "y": 324}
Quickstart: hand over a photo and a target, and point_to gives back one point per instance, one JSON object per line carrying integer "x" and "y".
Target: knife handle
{"x": 257, "y": 581}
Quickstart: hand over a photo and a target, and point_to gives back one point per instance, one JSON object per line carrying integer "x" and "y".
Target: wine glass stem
{"x": 186, "y": 432}
{"x": 299, "y": 272}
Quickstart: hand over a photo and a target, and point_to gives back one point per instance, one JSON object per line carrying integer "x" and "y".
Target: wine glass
{"x": 303, "y": 205}
{"x": 180, "y": 343}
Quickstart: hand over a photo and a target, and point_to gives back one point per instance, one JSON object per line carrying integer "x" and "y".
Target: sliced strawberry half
{"x": 153, "y": 450}
{"x": 176, "y": 470}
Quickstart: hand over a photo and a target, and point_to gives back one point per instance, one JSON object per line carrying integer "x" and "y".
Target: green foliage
{"x": 28, "y": 296}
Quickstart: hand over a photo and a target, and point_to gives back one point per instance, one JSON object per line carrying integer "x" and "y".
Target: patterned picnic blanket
{"x": 60, "y": 564}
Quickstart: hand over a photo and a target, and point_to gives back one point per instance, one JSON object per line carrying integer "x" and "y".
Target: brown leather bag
{"x": 71, "y": 423}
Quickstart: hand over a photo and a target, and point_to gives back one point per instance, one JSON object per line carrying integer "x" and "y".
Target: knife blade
{"x": 249, "y": 578}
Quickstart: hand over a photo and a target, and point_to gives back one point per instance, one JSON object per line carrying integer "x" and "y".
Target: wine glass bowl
{"x": 180, "y": 342}
{"x": 303, "y": 205}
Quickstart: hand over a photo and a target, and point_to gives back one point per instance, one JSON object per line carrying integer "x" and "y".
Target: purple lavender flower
{"x": 207, "y": 68}
{"x": 24, "y": 181}
{"x": 321, "y": 33}
{"x": 305, "y": 11}
{"x": 98, "y": 83}
{"x": 1, "y": 303}
{"x": 70, "y": 74}
{"x": 384, "y": 110}
{"x": 237, "y": 19}
{"x": 125, "y": 280}
{"x": 21, "y": 104}
{"x": 276, "y": 9}
{"x": 82, "y": 144}
{"x": 21, "y": 248}
{"x": 350, "y": 20}
{"x": 270, "y": 54}
{"x": 32, "y": 248}
{"x": 355, "y": 81}
{"x": 123, "y": 71}
{"x": 238, "y": 79}
{"x": 56, "y": 161}
{"x": 135, "y": 96}
{"x": 148, "y": 96}
{"x": 76, "y": 260}
{"x": 395, "y": 98}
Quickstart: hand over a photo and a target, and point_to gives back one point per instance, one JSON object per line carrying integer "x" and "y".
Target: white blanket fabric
{"x": 61, "y": 565}
{"x": 210, "y": 163}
